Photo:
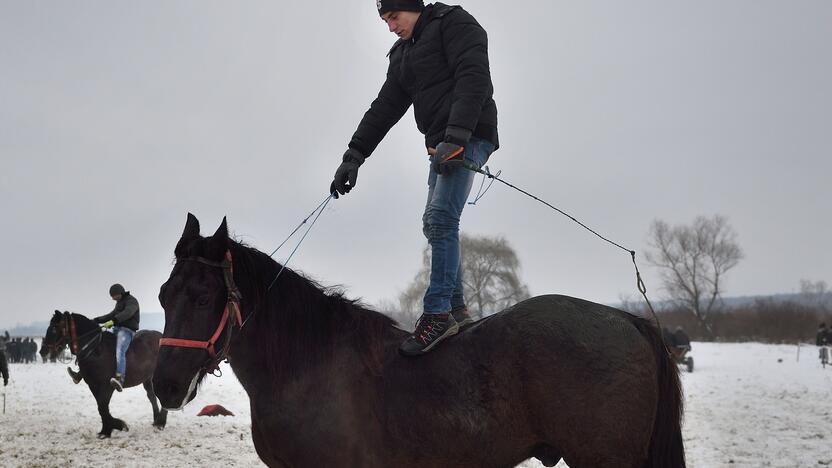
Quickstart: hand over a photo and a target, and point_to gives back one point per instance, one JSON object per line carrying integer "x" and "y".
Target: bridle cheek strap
{"x": 71, "y": 332}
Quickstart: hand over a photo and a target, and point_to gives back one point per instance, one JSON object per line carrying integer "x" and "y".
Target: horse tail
{"x": 666, "y": 446}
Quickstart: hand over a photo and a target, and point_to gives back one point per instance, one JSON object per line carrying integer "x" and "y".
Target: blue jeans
{"x": 124, "y": 336}
{"x": 447, "y": 195}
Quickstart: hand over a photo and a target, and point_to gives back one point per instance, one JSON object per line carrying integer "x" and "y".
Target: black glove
{"x": 447, "y": 158}
{"x": 449, "y": 154}
{"x": 347, "y": 171}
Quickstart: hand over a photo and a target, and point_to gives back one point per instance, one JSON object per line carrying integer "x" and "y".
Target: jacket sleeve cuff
{"x": 353, "y": 155}
{"x": 457, "y": 135}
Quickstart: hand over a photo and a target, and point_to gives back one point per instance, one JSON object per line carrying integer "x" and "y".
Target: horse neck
{"x": 296, "y": 327}
{"x": 83, "y": 324}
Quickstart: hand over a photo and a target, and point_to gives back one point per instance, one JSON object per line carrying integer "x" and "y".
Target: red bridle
{"x": 232, "y": 308}
{"x": 67, "y": 331}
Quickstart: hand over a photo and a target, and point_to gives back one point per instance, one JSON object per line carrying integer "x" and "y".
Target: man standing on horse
{"x": 439, "y": 64}
{"x": 124, "y": 319}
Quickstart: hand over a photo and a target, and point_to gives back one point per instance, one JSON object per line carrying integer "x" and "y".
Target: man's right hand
{"x": 347, "y": 172}
{"x": 108, "y": 324}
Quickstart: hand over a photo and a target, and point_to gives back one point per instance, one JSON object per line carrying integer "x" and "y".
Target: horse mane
{"x": 299, "y": 323}
{"x": 85, "y": 323}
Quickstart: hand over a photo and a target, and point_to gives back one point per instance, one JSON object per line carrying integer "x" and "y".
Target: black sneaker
{"x": 76, "y": 376}
{"x": 117, "y": 382}
{"x": 463, "y": 317}
{"x": 430, "y": 330}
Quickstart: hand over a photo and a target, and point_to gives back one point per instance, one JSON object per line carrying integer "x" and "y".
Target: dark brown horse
{"x": 96, "y": 355}
{"x": 552, "y": 377}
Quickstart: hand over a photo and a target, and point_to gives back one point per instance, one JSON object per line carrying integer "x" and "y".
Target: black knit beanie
{"x": 116, "y": 289}
{"x": 385, "y": 6}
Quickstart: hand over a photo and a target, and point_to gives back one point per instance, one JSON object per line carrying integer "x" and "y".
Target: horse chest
{"x": 318, "y": 426}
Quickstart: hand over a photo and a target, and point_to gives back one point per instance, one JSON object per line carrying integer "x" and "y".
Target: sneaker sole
{"x": 465, "y": 322}
{"x": 448, "y": 333}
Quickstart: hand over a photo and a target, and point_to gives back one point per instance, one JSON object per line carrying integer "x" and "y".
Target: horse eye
{"x": 203, "y": 300}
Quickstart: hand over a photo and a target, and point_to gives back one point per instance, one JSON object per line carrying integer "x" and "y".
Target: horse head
{"x": 57, "y": 335}
{"x": 196, "y": 299}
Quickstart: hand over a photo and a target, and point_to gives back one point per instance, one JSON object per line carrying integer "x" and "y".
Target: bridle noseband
{"x": 232, "y": 308}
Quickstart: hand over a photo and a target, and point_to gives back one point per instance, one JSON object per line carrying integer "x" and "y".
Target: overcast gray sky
{"x": 117, "y": 118}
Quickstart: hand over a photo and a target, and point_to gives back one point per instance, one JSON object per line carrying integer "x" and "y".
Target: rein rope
{"x": 639, "y": 281}
{"x": 319, "y": 210}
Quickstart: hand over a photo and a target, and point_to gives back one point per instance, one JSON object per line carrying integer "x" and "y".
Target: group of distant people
{"x": 19, "y": 350}
{"x": 15, "y": 350}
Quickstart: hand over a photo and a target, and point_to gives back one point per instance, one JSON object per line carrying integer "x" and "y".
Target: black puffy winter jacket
{"x": 443, "y": 71}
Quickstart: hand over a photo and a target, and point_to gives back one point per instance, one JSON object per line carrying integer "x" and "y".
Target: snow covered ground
{"x": 748, "y": 405}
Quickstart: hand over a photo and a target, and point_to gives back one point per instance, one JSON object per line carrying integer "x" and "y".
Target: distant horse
{"x": 552, "y": 377}
{"x": 96, "y": 359}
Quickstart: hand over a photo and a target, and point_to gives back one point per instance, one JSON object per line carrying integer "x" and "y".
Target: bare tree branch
{"x": 693, "y": 261}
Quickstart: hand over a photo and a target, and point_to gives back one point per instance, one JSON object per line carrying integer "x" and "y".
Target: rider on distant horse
{"x": 125, "y": 322}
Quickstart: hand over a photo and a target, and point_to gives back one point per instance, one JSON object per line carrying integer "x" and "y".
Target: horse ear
{"x": 222, "y": 232}
{"x": 57, "y": 312}
{"x": 191, "y": 230}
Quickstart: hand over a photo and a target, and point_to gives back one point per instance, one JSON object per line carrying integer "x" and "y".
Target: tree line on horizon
{"x": 693, "y": 260}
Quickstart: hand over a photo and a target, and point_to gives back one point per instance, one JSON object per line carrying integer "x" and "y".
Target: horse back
{"x": 526, "y": 375}
{"x": 141, "y": 357}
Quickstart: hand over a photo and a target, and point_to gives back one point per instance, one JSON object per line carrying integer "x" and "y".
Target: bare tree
{"x": 491, "y": 274}
{"x": 490, "y": 277}
{"x": 694, "y": 260}
{"x": 816, "y": 293}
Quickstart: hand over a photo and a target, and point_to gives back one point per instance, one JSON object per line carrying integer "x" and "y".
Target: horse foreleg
{"x": 102, "y": 398}
{"x": 160, "y": 417}
{"x": 108, "y": 422}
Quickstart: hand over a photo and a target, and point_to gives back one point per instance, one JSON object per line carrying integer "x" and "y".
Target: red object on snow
{"x": 214, "y": 410}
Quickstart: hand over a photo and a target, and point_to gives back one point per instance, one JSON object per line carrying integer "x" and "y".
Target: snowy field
{"x": 747, "y": 405}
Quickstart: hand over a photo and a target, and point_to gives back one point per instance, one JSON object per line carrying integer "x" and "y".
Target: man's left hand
{"x": 447, "y": 157}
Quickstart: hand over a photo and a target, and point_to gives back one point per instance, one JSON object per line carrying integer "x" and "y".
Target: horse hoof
{"x": 159, "y": 427}
{"x": 126, "y": 428}
{"x": 103, "y": 436}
